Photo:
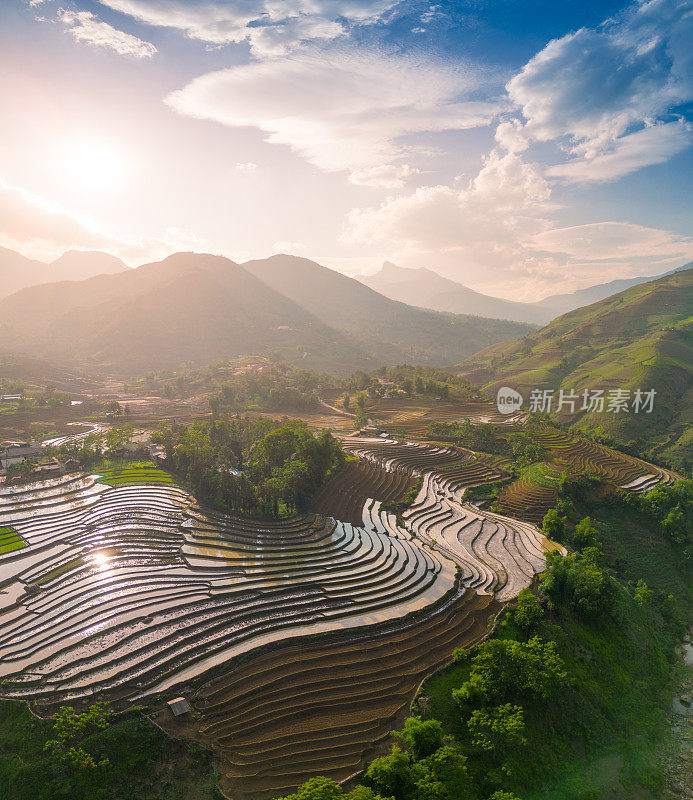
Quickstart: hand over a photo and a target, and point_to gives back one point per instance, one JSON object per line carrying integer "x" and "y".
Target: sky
{"x": 521, "y": 147}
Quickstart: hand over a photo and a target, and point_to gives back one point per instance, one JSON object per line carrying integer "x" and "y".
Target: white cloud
{"x": 271, "y": 26}
{"x": 388, "y": 176}
{"x": 340, "y": 110}
{"x": 496, "y": 235}
{"x": 246, "y": 166}
{"x": 598, "y": 243}
{"x": 652, "y": 145}
{"x": 85, "y": 27}
{"x": 597, "y": 89}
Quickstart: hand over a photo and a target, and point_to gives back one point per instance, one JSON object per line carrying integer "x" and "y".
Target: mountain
{"x": 562, "y": 303}
{"x": 391, "y": 331}
{"x": 18, "y": 272}
{"x": 424, "y": 288}
{"x": 186, "y": 308}
{"x": 641, "y": 338}
{"x": 78, "y": 265}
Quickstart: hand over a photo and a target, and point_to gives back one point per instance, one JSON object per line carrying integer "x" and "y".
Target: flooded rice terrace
{"x": 128, "y": 590}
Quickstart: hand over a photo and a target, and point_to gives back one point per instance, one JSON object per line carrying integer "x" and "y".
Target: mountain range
{"x": 18, "y": 272}
{"x": 197, "y": 308}
{"x": 427, "y": 289}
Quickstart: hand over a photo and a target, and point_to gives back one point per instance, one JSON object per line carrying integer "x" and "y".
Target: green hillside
{"x": 641, "y": 338}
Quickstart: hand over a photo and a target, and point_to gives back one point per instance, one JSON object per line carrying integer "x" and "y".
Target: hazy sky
{"x": 522, "y": 147}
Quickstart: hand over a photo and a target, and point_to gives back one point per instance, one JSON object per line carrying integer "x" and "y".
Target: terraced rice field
{"x": 318, "y": 628}
{"x": 10, "y": 540}
{"x": 583, "y": 455}
{"x": 346, "y": 493}
{"x": 131, "y": 589}
{"x": 325, "y": 707}
{"x": 496, "y": 555}
{"x": 530, "y": 497}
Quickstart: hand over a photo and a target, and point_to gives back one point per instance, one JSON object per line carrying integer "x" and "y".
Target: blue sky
{"x": 521, "y": 148}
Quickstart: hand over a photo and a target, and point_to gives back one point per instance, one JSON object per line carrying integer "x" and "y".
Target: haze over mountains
{"x": 18, "y": 272}
{"x": 427, "y": 289}
{"x": 199, "y": 308}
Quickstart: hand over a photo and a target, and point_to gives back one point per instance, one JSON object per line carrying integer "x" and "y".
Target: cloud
{"x": 496, "y": 235}
{"x": 86, "y": 27}
{"x": 388, "y": 176}
{"x": 347, "y": 109}
{"x": 271, "y": 26}
{"x": 596, "y": 89}
{"x": 597, "y": 244}
{"x": 246, "y": 166}
{"x": 43, "y": 230}
{"x": 652, "y": 145}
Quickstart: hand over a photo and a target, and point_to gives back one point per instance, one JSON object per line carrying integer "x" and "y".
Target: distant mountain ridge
{"x": 562, "y": 303}
{"x": 392, "y": 331}
{"x": 427, "y": 289}
{"x": 18, "y": 272}
{"x": 197, "y": 308}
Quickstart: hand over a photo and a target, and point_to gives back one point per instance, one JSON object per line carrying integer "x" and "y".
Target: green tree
{"x": 553, "y": 525}
{"x": 504, "y": 669}
{"x": 499, "y": 731}
{"x": 392, "y": 775}
{"x": 584, "y": 535}
{"x": 528, "y": 611}
{"x": 422, "y": 737}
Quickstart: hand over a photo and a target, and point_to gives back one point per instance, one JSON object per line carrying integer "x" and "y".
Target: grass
{"x": 134, "y": 474}
{"x": 144, "y": 763}
{"x": 10, "y": 540}
{"x": 605, "y": 730}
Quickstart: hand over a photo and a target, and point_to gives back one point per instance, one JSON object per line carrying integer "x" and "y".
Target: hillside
{"x": 390, "y": 330}
{"x": 186, "y": 308}
{"x": 18, "y": 272}
{"x": 562, "y": 303}
{"x": 426, "y": 289}
{"x": 640, "y": 338}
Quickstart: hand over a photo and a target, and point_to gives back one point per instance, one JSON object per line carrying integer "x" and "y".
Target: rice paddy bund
{"x": 299, "y": 642}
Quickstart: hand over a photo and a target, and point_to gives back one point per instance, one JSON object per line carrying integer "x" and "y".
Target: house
{"x": 179, "y": 706}
{"x": 72, "y": 465}
{"x": 15, "y": 448}
{"x": 48, "y": 467}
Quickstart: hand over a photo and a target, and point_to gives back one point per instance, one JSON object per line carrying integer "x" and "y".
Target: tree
{"x": 584, "y": 535}
{"x": 391, "y": 775}
{"x": 346, "y": 402}
{"x": 577, "y": 582}
{"x": 643, "y": 594}
{"x": 499, "y": 731}
{"x": 422, "y": 737}
{"x": 528, "y": 611}
{"x": 326, "y": 789}
{"x": 504, "y": 669}
{"x": 553, "y": 525}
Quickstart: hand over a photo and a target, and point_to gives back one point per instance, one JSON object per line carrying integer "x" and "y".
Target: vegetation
{"x": 576, "y": 675}
{"x": 10, "y": 540}
{"x": 252, "y": 465}
{"x": 96, "y": 755}
{"x": 641, "y": 338}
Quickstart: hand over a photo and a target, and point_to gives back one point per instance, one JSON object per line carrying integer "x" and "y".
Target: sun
{"x": 95, "y": 166}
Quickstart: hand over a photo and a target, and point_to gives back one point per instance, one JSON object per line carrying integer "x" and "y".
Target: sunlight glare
{"x": 94, "y": 166}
